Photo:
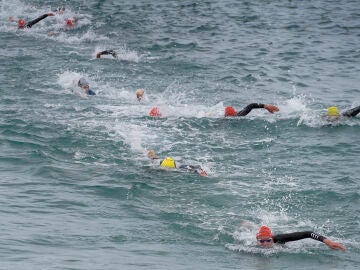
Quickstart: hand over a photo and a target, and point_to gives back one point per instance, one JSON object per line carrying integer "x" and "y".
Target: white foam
{"x": 72, "y": 38}
{"x": 67, "y": 78}
{"x": 129, "y": 55}
{"x": 68, "y": 81}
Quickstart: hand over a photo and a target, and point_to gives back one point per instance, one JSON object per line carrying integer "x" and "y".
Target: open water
{"x": 76, "y": 188}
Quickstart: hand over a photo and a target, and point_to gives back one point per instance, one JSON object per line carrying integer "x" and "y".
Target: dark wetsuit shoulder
{"x": 352, "y": 112}
{"x": 249, "y": 107}
{"x": 288, "y": 237}
{"x": 91, "y": 93}
{"x": 31, "y": 23}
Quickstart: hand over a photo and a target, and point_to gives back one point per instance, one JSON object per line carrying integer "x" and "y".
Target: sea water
{"x": 77, "y": 190}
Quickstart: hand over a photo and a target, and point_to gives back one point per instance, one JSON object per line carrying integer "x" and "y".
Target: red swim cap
{"x": 69, "y": 22}
{"x": 155, "y": 112}
{"x": 21, "y": 23}
{"x": 230, "y": 111}
{"x": 263, "y": 232}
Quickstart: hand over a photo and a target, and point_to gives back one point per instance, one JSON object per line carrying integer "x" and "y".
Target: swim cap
{"x": 168, "y": 162}
{"x": 155, "y": 112}
{"x": 82, "y": 82}
{"x": 333, "y": 111}
{"x": 69, "y": 22}
{"x": 264, "y": 231}
{"x": 21, "y": 23}
{"x": 230, "y": 111}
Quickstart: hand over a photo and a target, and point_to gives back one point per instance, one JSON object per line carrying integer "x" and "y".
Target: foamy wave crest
{"x": 293, "y": 107}
{"x": 128, "y": 55}
{"x": 69, "y": 37}
{"x": 68, "y": 81}
{"x": 123, "y": 53}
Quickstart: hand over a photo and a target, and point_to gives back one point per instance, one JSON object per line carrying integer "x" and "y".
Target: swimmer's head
{"x": 333, "y": 111}
{"x": 155, "y": 112}
{"x": 230, "y": 111}
{"x": 83, "y": 83}
{"x": 21, "y": 23}
{"x": 264, "y": 237}
{"x": 168, "y": 162}
{"x": 69, "y": 22}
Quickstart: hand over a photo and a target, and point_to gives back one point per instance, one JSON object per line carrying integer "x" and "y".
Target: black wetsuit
{"x": 31, "y": 23}
{"x": 249, "y": 107}
{"x": 91, "y": 93}
{"x": 193, "y": 168}
{"x": 352, "y": 112}
{"x": 288, "y": 237}
{"x": 112, "y": 52}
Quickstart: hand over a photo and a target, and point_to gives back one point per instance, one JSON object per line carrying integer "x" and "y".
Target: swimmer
{"x": 69, "y": 23}
{"x": 230, "y": 111}
{"x": 85, "y": 85}
{"x": 333, "y": 113}
{"x": 168, "y": 162}
{"x": 23, "y": 24}
{"x": 112, "y": 52}
{"x": 139, "y": 94}
{"x": 266, "y": 239}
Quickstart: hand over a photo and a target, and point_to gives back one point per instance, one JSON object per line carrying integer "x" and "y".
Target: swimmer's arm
{"x": 112, "y": 52}
{"x": 202, "y": 172}
{"x": 199, "y": 170}
{"x": 193, "y": 168}
{"x": 248, "y": 108}
{"x": 352, "y": 112}
{"x": 31, "y": 23}
{"x": 288, "y": 237}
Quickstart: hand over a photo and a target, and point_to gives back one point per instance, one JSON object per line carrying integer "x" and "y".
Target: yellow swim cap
{"x": 333, "y": 111}
{"x": 168, "y": 162}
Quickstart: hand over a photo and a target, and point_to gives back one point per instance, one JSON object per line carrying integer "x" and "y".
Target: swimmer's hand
{"x": 334, "y": 245}
{"x": 202, "y": 172}
{"x": 271, "y": 108}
